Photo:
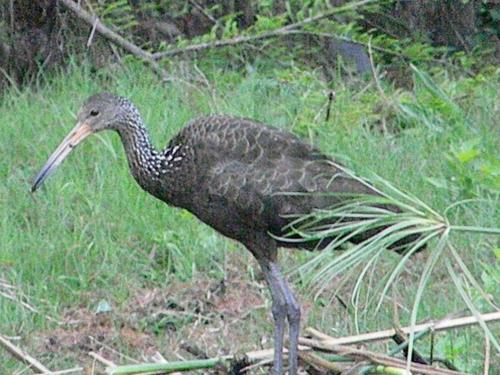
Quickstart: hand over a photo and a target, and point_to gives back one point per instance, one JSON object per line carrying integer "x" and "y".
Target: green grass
{"x": 90, "y": 232}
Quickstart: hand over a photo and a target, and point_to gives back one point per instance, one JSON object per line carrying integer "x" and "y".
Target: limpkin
{"x": 233, "y": 174}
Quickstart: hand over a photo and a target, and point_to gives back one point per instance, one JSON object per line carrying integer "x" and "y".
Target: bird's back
{"x": 245, "y": 177}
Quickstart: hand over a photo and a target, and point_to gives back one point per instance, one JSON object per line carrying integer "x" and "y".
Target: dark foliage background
{"x": 41, "y": 35}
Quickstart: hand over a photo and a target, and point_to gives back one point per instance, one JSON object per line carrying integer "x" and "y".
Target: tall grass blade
{"x": 468, "y": 274}
{"x": 466, "y": 298}
{"x": 399, "y": 267}
{"x": 429, "y": 266}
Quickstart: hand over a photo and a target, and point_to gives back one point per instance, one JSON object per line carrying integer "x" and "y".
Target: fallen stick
{"x": 24, "y": 357}
{"x": 442, "y": 325}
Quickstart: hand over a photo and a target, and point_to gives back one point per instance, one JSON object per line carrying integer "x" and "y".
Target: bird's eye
{"x": 94, "y": 112}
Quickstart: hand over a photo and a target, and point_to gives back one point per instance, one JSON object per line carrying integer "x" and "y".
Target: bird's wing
{"x": 257, "y": 175}
{"x": 269, "y": 194}
{"x": 260, "y": 195}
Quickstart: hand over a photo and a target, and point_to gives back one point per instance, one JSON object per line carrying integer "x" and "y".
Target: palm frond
{"x": 392, "y": 215}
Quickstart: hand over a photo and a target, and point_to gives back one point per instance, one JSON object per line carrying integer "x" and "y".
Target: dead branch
{"x": 24, "y": 357}
{"x": 110, "y": 35}
{"x": 285, "y": 30}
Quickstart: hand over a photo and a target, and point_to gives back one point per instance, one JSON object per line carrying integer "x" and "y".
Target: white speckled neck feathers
{"x": 151, "y": 168}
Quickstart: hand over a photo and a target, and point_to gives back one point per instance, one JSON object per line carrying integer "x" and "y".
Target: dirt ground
{"x": 202, "y": 318}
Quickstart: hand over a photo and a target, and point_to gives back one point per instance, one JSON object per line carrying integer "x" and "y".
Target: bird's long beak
{"x": 75, "y": 136}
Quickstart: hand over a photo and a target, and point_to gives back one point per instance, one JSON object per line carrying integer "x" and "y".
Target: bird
{"x": 245, "y": 179}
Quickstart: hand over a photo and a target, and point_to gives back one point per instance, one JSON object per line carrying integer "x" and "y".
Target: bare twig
{"x": 285, "y": 30}
{"x": 24, "y": 357}
{"x": 442, "y": 325}
{"x": 93, "y": 21}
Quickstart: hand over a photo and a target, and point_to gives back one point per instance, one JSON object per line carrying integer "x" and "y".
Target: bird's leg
{"x": 293, "y": 314}
{"x": 279, "y": 310}
{"x": 284, "y": 306}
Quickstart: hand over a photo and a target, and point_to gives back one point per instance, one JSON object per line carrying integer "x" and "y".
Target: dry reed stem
{"x": 441, "y": 325}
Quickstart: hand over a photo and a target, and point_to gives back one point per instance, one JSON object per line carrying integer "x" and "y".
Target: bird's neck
{"x": 145, "y": 162}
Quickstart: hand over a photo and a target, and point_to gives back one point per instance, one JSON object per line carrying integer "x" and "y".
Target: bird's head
{"x": 99, "y": 112}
